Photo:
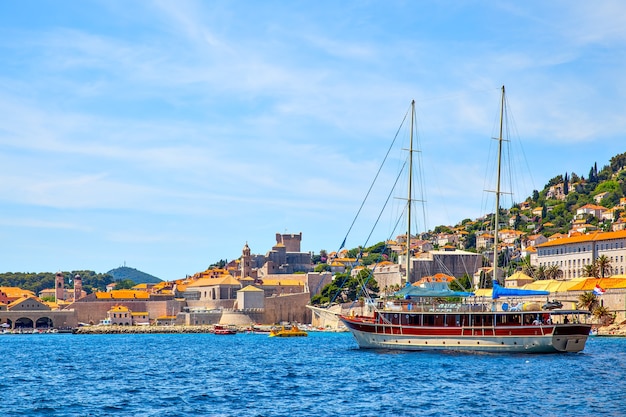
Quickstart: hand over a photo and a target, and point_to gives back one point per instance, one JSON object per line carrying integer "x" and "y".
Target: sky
{"x": 165, "y": 135}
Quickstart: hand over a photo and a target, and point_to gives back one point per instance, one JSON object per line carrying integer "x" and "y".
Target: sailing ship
{"x": 431, "y": 316}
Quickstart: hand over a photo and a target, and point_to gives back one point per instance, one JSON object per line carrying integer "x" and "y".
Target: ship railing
{"x": 440, "y": 307}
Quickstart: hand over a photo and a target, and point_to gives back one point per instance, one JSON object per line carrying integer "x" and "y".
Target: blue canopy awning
{"x": 434, "y": 291}
{"x": 499, "y": 291}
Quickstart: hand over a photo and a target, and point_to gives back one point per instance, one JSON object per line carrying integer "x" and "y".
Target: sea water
{"x": 325, "y": 374}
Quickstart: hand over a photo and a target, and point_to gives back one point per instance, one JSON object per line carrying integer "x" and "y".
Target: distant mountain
{"x": 138, "y": 277}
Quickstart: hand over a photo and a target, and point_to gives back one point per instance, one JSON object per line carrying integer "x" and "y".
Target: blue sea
{"x": 324, "y": 374}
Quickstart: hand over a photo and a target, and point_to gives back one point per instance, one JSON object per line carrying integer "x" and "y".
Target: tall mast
{"x": 496, "y": 219}
{"x": 409, "y": 199}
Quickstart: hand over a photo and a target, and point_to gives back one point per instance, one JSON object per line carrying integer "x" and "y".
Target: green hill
{"x": 138, "y": 277}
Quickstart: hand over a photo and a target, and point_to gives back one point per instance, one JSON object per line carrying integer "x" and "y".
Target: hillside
{"x": 555, "y": 209}
{"x": 568, "y": 204}
{"x": 138, "y": 277}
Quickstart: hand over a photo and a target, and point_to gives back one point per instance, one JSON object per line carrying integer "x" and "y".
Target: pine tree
{"x": 566, "y": 185}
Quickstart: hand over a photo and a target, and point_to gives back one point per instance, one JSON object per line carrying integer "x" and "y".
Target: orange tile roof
{"x": 592, "y": 206}
{"x": 439, "y": 277}
{"x": 590, "y": 283}
{"x": 251, "y": 288}
{"x": 123, "y": 295}
{"x": 592, "y": 237}
{"x": 282, "y": 282}
{"x": 207, "y": 282}
{"x": 16, "y": 292}
{"x": 18, "y": 301}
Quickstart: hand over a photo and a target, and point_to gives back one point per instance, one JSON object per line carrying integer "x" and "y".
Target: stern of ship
{"x": 570, "y": 337}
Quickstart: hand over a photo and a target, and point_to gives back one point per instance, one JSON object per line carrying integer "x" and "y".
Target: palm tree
{"x": 589, "y": 270}
{"x": 604, "y": 266}
{"x": 603, "y": 315}
{"x": 554, "y": 272}
{"x": 540, "y": 273}
{"x": 587, "y": 300}
{"x": 529, "y": 270}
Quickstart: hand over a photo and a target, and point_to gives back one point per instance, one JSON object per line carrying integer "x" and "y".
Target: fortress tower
{"x": 58, "y": 286}
{"x": 291, "y": 241}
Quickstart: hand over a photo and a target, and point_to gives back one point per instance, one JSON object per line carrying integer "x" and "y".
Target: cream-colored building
{"x": 120, "y": 315}
{"x": 571, "y": 254}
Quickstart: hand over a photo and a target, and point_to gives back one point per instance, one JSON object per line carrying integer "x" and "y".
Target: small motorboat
{"x": 551, "y": 305}
{"x": 223, "y": 330}
{"x": 294, "y": 331}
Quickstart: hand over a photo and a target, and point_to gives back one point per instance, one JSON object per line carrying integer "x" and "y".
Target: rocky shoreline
{"x": 147, "y": 329}
{"x": 613, "y": 330}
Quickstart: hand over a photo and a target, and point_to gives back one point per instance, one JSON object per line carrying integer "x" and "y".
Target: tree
{"x": 587, "y": 300}
{"x": 554, "y": 272}
{"x": 618, "y": 162}
{"x": 486, "y": 280}
{"x": 603, "y": 264}
{"x": 566, "y": 185}
{"x": 330, "y": 291}
{"x": 529, "y": 269}
{"x": 470, "y": 241}
{"x": 540, "y": 273}
{"x": 555, "y": 181}
{"x": 592, "y": 176}
{"x": 220, "y": 264}
{"x": 603, "y": 315}
{"x": 124, "y": 284}
{"x": 535, "y": 195}
{"x": 322, "y": 268}
{"x": 589, "y": 270}
{"x": 461, "y": 284}
{"x": 442, "y": 229}
{"x": 347, "y": 288}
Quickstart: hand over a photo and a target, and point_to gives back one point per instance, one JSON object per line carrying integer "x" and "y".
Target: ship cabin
{"x": 403, "y": 312}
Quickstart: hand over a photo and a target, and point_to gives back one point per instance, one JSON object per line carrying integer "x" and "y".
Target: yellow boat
{"x": 294, "y": 331}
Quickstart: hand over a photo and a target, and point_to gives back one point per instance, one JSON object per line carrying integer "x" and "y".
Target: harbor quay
{"x": 174, "y": 329}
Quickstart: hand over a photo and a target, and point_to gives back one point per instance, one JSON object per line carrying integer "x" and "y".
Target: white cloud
{"x": 178, "y": 119}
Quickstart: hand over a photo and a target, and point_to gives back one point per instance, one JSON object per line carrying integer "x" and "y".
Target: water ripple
{"x": 324, "y": 374}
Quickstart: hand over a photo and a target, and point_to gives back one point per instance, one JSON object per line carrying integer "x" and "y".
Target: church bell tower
{"x": 78, "y": 287}
{"x": 245, "y": 261}
{"x": 59, "y": 281}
